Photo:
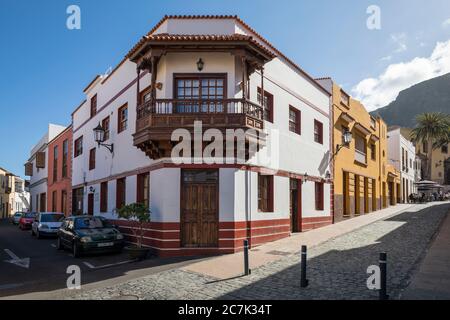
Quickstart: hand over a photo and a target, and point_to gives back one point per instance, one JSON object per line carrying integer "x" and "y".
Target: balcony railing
{"x": 220, "y": 112}
{"x": 360, "y": 157}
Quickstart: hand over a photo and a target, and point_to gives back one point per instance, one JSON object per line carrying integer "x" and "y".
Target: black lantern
{"x": 347, "y": 138}
{"x": 99, "y": 137}
{"x": 200, "y": 64}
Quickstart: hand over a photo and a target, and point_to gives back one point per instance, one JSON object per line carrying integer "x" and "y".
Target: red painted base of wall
{"x": 164, "y": 238}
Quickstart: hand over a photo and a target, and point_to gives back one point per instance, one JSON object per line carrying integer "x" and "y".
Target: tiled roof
{"x": 164, "y": 37}
{"x": 235, "y": 17}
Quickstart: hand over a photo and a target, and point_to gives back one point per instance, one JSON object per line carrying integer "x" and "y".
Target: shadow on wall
{"x": 336, "y": 274}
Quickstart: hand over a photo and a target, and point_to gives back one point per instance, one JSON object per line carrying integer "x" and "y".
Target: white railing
{"x": 361, "y": 157}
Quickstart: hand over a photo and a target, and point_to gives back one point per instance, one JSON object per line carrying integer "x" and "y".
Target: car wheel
{"x": 59, "y": 245}
{"x": 75, "y": 250}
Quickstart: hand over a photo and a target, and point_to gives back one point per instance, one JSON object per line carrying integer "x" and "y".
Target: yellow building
{"x": 440, "y": 162}
{"x": 363, "y": 181}
{"x": 6, "y": 193}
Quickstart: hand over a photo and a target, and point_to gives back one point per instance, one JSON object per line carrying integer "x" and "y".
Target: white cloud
{"x": 400, "y": 40}
{"x": 378, "y": 92}
{"x": 387, "y": 58}
{"x": 446, "y": 23}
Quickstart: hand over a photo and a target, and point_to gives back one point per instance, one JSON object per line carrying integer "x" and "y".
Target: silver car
{"x": 46, "y": 224}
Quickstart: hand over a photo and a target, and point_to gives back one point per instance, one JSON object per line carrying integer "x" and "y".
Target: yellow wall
{"x": 344, "y": 160}
{"x": 438, "y": 159}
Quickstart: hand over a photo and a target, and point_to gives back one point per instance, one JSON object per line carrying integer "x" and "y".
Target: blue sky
{"x": 44, "y": 66}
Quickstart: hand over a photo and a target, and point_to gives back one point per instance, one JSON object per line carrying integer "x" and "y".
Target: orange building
{"x": 59, "y": 191}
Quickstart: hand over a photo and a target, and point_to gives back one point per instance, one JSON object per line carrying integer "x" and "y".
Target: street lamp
{"x": 200, "y": 64}
{"x": 99, "y": 137}
{"x": 347, "y": 139}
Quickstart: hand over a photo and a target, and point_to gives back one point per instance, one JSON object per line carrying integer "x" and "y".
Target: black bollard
{"x": 246, "y": 263}
{"x": 303, "y": 281}
{"x": 383, "y": 276}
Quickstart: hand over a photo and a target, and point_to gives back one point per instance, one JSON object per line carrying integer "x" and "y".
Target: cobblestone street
{"x": 336, "y": 268}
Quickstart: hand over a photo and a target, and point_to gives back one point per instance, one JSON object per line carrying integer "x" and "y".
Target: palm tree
{"x": 434, "y": 129}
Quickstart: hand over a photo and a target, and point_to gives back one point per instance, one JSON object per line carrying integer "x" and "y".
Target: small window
{"x": 267, "y": 105}
{"x": 294, "y": 120}
{"x": 92, "y": 159}
{"x": 105, "y": 126}
{"x": 122, "y": 118}
{"x": 78, "y": 148}
{"x": 318, "y": 132}
{"x": 265, "y": 193}
{"x": 93, "y": 106}
{"x": 345, "y": 99}
{"x": 55, "y": 164}
{"x": 319, "y": 196}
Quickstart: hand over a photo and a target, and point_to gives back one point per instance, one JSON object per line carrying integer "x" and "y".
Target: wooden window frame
{"x": 93, "y": 105}
{"x": 92, "y": 156}
{"x": 55, "y": 163}
{"x": 143, "y": 190}
{"x": 373, "y": 152}
{"x": 319, "y": 195}
{"x": 122, "y": 123}
{"x": 78, "y": 143}
{"x": 104, "y": 197}
{"x": 121, "y": 192}
{"x": 319, "y": 138}
{"x": 265, "y": 204}
{"x": 297, "y": 123}
{"x": 106, "y": 124}
{"x": 269, "y": 96}
{"x": 65, "y": 157}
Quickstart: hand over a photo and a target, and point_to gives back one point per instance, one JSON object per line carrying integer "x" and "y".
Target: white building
{"x": 37, "y": 169}
{"x": 21, "y": 196}
{"x": 402, "y": 154}
{"x": 208, "y": 69}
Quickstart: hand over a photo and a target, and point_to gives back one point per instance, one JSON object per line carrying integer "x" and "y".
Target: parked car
{"x": 84, "y": 234}
{"x": 14, "y": 219}
{"x": 46, "y": 224}
{"x": 26, "y": 220}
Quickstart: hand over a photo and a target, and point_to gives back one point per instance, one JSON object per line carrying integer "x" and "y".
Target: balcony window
{"x": 267, "y": 105}
{"x": 360, "y": 150}
{"x": 203, "y": 93}
{"x": 55, "y": 164}
{"x": 65, "y": 158}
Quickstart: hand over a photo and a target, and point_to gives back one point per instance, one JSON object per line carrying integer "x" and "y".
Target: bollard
{"x": 383, "y": 276}
{"x": 246, "y": 263}
{"x": 303, "y": 281}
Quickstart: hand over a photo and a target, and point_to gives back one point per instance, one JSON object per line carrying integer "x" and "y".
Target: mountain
{"x": 429, "y": 96}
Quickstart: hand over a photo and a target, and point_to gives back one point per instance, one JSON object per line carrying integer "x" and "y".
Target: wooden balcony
{"x": 156, "y": 120}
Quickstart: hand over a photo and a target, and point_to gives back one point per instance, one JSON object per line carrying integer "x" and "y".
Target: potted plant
{"x": 139, "y": 214}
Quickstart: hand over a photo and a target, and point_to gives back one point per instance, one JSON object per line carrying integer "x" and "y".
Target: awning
{"x": 346, "y": 117}
{"x": 358, "y": 126}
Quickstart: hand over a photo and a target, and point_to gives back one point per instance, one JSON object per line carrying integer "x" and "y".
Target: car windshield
{"x": 91, "y": 223}
{"x": 52, "y": 217}
{"x": 29, "y": 215}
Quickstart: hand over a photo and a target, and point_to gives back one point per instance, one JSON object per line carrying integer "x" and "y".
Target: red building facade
{"x": 59, "y": 191}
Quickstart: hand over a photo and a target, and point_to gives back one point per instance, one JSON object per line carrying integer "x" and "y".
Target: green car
{"x": 86, "y": 234}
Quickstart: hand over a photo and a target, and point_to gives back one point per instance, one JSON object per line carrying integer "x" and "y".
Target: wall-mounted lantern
{"x": 347, "y": 139}
{"x": 99, "y": 137}
{"x": 200, "y": 64}
{"x": 305, "y": 178}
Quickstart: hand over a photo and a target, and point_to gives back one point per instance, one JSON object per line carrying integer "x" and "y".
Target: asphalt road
{"x": 47, "y": 269}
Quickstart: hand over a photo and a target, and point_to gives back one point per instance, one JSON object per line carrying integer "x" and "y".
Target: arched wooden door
{"x": 199, "y": 208}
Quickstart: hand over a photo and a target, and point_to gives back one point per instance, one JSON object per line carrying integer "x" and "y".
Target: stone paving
{"x": 336, "y": 268}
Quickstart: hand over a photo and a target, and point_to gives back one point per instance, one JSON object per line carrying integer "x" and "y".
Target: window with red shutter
{"x": 319, "y": 196}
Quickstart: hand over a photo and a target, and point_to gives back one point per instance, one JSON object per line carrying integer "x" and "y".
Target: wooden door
{"x": 199, "y": 208}
{"x": 91, "y": 204}
{"x": 295, "y": 205}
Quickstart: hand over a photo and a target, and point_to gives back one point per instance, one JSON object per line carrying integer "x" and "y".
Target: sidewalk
{"x": 432, "y": 281}
{"x": 231, "y": 265}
